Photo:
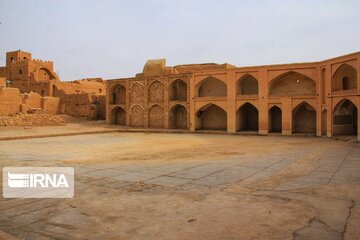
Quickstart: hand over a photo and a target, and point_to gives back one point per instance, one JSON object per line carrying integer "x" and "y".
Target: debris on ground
{"x": 34, "y": 117}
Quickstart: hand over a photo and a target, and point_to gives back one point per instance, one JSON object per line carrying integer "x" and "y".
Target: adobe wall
{"x": 50, "y": 104}
{"x": 82, "y": 98}
{"x": 37, "y": 76}
{"x": 12, "y": 101}
{"x": 30, "y": 100}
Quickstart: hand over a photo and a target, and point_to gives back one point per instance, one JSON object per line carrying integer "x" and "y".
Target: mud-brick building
{"x": 28, "y": 74}
{"x": 24, "y": 76}
{"x": 318, "y": 98}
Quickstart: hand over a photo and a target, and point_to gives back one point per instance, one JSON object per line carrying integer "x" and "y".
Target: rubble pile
{"x": 34, "y": 117}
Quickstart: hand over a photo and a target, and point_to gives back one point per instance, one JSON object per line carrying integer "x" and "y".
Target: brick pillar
{"x": 319, "y": 93}
{"x": 231, "y": 106}
{"x": 166, "y": 103}
{"x": 263, "y": 102}
{"x": 286, "y": 116}
{"x": 318, "y": 118}
{"x": 147, "y": 104}
{"x": 127, "y": 103}
{"x": 329, "y": 117}
{"x": 107, "y": 99}
{"x": 191, "y": 91}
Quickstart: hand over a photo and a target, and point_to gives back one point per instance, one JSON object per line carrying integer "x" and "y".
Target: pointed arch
{"x": 247, "y": 118}
{"x": 178, "y": 90}
{"x": 156, "y": 92}
{"x": 345, "y": 118}
{"x": 118, "y": 116}
{"x": 292, "y": 84}
{"x": 211, "y": 117}
{"x": 304, "y": 119}
{"x": 211, "y": 87}
{"x": 178, "y": 117}
{"x": 345, "y": 78}
{"x": 118, "y": 94}
{"x": 275, "y": 119}
{"x": 156, "y": 116}
{"x": 247, "y": 85}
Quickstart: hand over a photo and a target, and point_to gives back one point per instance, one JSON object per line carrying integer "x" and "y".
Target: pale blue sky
{"x": 110, "y": 39}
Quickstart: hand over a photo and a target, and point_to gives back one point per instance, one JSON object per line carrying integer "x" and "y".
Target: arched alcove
{"x": 119, "y": 95}
{"x": 345, "y": 121}
{"x": 345, "y": 78}
{"x": 118, "y": 116}
{"x": 44, "y": 74}
{"x": 211, "y": 117}
{"x": 292, "y": 84}
{"x": 212, "y": 87}
{"x": 178, "y": 117}
{"x": 247, "y": 118}
{"x": 178, "y": 90}
{"x": 304, "y": 119}
{"x": 247, "y": 85}
{"x": 275, "y": 120}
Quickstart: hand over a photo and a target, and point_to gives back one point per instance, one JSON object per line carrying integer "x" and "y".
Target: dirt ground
{"x": 189, "y": 186}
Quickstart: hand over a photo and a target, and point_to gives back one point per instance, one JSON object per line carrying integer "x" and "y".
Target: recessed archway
{"x": 44, "y": 74}
{"x": 119, "y": 95}
{"x": 156, "y": 117}
{"x": 345, "y": 78}
{"x": 247, "y": 118}
{"x": 275, "y": 120}
{"x": 292, "y": 84}
{"x": 178, "y": 90}
{"x": 178, "y": 117}
{"x": 211, "y": 117}
{"x": 211, "y": 87}
{"x": 247, "y": 85}
{"x": 118, "y": 116}
{"x": 345, "y": 121}
{"x": 304, "y": 119}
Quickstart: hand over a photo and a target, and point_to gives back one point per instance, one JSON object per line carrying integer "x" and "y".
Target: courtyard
{"x": 133, "y": 185}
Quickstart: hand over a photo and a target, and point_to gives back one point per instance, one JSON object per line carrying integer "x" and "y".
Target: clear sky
{"x": 114, "y": 38}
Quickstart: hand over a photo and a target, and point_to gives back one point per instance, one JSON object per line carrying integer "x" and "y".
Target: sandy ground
{"x": 189, "y": 186}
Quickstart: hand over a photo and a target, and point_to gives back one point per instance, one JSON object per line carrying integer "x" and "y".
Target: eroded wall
{"x": 30, "y": 76}
{"x": 12, "y": 101}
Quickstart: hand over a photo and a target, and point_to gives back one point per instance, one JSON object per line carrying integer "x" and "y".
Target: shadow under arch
{"x": 345, "y": 118}
{"x": 211, "y": 117}
{"x": 304, "y": 119}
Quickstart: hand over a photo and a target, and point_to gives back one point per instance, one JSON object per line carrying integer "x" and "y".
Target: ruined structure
{"x": 24, "y": 76}
{"x": 319, "y": 98}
